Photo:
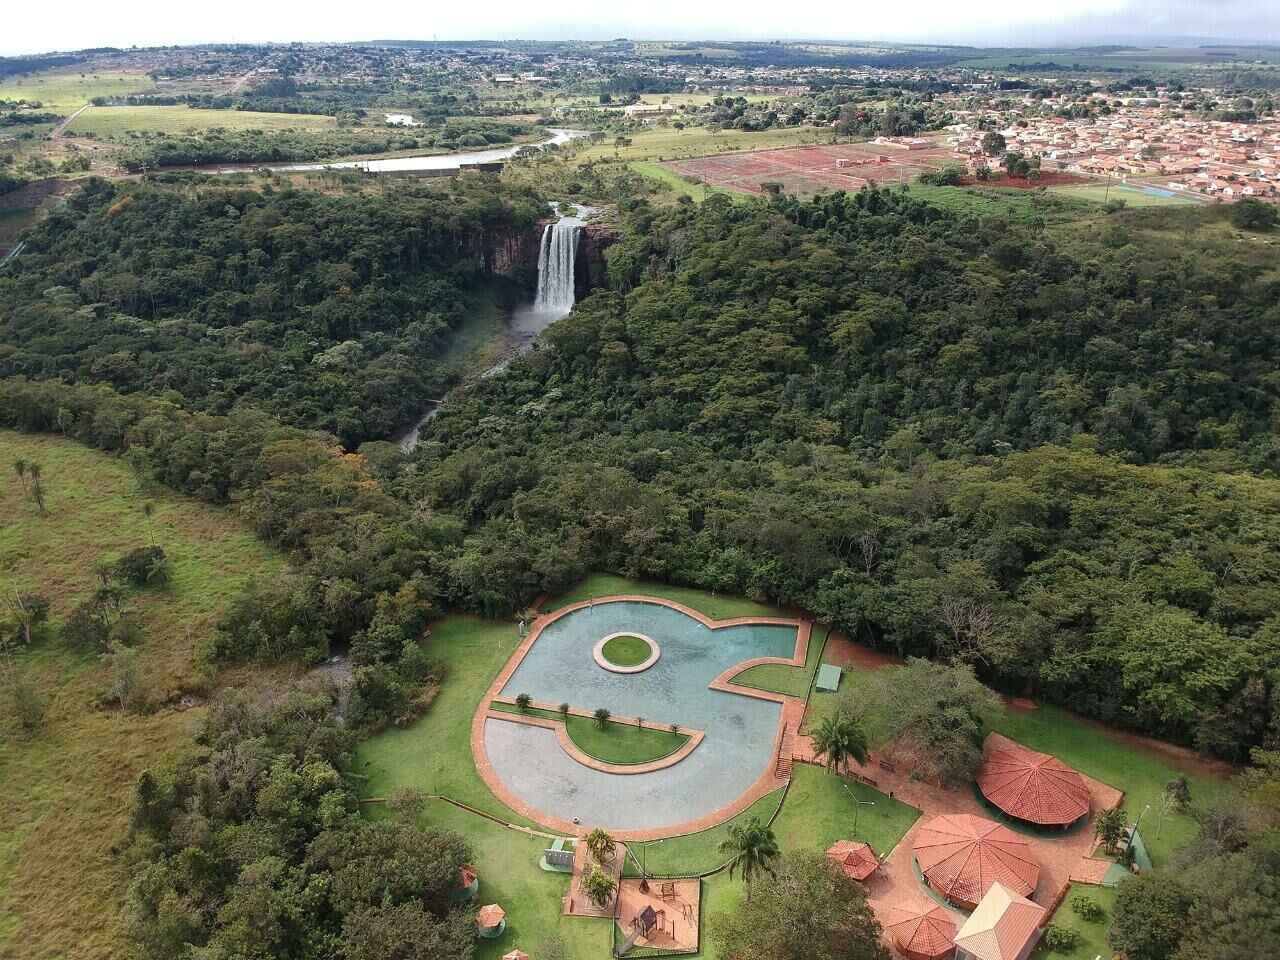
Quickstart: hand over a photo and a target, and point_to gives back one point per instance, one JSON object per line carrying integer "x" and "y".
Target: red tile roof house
{"x": 1004, "y": 926}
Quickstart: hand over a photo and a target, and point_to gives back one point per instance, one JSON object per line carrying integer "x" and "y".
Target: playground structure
{"x": 660, "y": 914}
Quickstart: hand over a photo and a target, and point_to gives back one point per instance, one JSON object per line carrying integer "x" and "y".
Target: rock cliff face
{"x": 591, "y": 272}
{"x": 514, "y": 253}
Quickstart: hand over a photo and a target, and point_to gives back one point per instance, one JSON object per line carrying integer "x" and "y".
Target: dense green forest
{"x": 143, "y": 150}
{"x": 328, "y": 311}
{"x": 946, "y": 435}
{"x": 1051, "y": 456}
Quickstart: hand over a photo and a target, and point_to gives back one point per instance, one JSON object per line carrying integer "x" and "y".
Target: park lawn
{"x": 434, "y": 754}
{"x": 819, "y": 811}
{"x": 717, "y": 606}
{"x": 616, "y": 743}
{"x": 1093, "y": 935}
{"x": 1132, "y": 196}
{"x": 64, "y": 90}
{"x": 781, "y": 678}
{"x": 63, "y": 790}
{"x": 1139, "y": 771}
{"x": 506, "y": 862}
{"x": 625, "y": 651}
{"x": 656, "y": 142}
{"x": 119, "y": 121}
{"x": 697, "y": 853}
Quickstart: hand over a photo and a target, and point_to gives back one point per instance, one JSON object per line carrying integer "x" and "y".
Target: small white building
{"x": 648, "y": 109}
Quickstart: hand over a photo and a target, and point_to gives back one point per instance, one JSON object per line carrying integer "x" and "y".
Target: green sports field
{"x": 118, "y": 121}
{"x": 1132, "y": 196}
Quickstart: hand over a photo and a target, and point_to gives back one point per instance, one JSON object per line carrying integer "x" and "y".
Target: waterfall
{"x": 555, "y": 266}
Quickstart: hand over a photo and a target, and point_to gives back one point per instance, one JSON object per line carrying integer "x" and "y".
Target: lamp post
{"x": 1134, "y": 832}
{"x": 856, "y": 804}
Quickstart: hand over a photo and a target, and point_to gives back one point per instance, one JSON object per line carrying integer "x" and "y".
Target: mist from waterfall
{"x": 556, "y": 263}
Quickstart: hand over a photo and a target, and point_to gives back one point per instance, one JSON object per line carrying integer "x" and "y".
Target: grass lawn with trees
{"x": 1092, "y": 933}
{"x": 617, "y": 742}
{"x": 717, "y": 606}
{"x": 819, "y": 810}
{"x": 63, "y": 788}
{"x": 1132, "y": 196}
{"x": 657, "y": 142}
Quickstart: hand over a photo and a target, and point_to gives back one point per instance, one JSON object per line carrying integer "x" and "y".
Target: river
{"x": 438, "y": 161}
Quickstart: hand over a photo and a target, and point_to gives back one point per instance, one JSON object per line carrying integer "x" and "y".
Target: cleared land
{"x": 63, "y": 91}
{"x": 117, "y": 121}
{"x": 1132, "y": 196}
{"x": 812, "y": 169}
{"x": 63, "y": 790}
{"x": 657, "y": 142}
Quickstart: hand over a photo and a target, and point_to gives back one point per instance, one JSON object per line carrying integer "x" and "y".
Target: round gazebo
{"x": 468, "y": 885}
{"x": 1033, "y": 787}
{"x": 921, "y": 929}
{"x": 515, "y": 955}
{"x": 961, "y": 856}
{"x": 857, "y": 860}
{"x": 491, "y": 921}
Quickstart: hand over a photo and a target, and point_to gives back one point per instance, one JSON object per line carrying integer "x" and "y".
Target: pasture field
{"x": 1132, "y": 196}
{"x": 64, "y": 788}
{"x": 62, "y": 91}
{"x": 657, "y": 142}
{"x": 117, "y": 122}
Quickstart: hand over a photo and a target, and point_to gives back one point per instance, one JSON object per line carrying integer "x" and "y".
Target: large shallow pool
{"x": 559, "y": 668}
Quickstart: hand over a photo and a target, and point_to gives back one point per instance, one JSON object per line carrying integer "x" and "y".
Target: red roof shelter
{"x": 962, "y": 855}
{"x": 1033, "y": 787}
{"x": 921, "y": 929}
{"x": 857, "y": 860}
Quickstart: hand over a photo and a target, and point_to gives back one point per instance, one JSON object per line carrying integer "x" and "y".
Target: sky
{"x": 76, "y": 24}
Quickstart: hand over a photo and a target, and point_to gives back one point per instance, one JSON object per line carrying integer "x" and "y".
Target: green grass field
{"x": 63, "y": 91}
{"x": 780, "y": 678}
{"x": 697, "y": 191}
{"x": 656, "y": 142}
{"x": 63, "y": 790}
{"x": 1007, "y": 202}
{"x": 616, "y": 742}
{"x": 820, "y": 810}
{"x": 118, "y": 121}
{"x": 1132, "y": 196}
{"x": 1101, "y": 754}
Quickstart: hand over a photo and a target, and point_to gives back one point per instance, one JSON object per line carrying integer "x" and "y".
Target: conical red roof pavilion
{"x": 1032, "y": 786}
{"x": 962, "y": 855}
{"x": 857, "y": 860}
{"x": 921, "y": 928}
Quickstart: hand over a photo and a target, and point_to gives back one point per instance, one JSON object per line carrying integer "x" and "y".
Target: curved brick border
{"x": 604, "y": 663}
{"x": 584, "y": 758}
{"x": 769, "y": 780}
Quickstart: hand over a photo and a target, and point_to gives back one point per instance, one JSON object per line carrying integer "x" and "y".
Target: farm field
{"x": 65, "y": 90}
{"x": 812, "y": 169}
{"x": 63, "y": 789}
{"x": 118, "y": 121}
{"x": 1132, "y": 196}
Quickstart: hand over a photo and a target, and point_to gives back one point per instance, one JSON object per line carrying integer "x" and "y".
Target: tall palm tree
{"x": 753, "y": 848}
{"x": 20, "y": 465}
{"x": 839, "y": 738}
{"x": 149, "y": 511}
{"x": 37, "y": 488}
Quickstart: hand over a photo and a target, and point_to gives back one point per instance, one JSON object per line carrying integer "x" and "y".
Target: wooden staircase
{"x": 782, "y": 766}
